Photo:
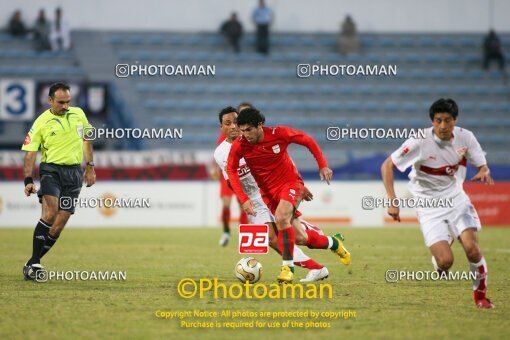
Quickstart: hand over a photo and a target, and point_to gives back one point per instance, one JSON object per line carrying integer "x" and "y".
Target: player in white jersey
{"x": 227, "y": 118}
{"x": 438, "y": 164}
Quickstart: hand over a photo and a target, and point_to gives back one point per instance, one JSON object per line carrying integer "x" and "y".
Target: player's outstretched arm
{"x": 483, "y": 175}
{"x": 28, "y": 170}
{"x": 90, "y": 174}
{"x": 388, "y": 180}
{"x": 301, "y": 138}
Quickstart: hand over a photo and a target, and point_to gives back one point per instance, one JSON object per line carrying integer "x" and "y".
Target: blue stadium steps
{"x": 429, "y": 66}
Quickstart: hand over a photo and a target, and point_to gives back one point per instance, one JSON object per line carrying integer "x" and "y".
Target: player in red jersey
{"x": 265, "y": 151}
{"x": 228, "y": 117}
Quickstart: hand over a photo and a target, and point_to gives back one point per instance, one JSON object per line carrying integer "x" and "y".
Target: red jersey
{"x": 268, "y": 160}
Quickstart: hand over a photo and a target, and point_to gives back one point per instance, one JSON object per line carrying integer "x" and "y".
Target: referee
{"x": 58, "y": 133}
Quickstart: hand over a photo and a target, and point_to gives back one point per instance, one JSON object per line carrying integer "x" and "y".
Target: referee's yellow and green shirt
{"x": 60, "y": 138}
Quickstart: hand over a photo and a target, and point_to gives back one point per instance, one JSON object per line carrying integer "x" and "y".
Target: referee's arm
{"x": 90, "y": 174}
{"x": 28, "y": 170}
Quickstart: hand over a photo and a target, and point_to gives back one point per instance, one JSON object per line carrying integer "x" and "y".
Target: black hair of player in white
{"x": 225, "y": 111}
{"x": 443, "y": 105}
{"x": 250, "y": 116}
{"x": 58, "y": 86}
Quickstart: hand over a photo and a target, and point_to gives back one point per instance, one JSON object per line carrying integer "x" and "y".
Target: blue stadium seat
{"x": 407, "y": 41}
{"x": 135, "y": 39}
{"x": 5, "y": 38}
{"x": 388, "y": 42}
{"x": 164, "y": 55}
{"x": 457, "y": 74}
{"x": 156, "y": 39}
{"x": 433, "y": 58}
{"x": 452, "y": 57}
{"x": 144, "y": 55}
{"x": 143, "y": 87}
{"x": 412, "y": 58}
{"x": 373, "y": 57}
{"x": 472, "y": 58}
{"x": 427, "y": 41}
{"x": 470, "y": 42}
{"x": 116, "y": 40}
{"x": 151, "y": 104}
{"x": 392, "y": 58}
{"x": 404, "y": 90}
{"x": 476, "y": 74}
{"x": 125, "y": 55}
{"x": 391, "y": 106}
{"x": 445, "y": 42}
{"x": 354, "y": 58}
{"x": 175, "y": 40}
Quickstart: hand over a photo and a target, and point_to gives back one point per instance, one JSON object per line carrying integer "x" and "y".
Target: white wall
{"x": 291, "y": 15}
{"x": 197, "y": 204}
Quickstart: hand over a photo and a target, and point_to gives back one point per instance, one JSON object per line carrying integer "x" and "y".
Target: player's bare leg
{"x": 286, "y": 239}
{"x": 225, "y": 218}
{"x": 443, "y": 255}
{"x": 314, "y": 240}
{"x": 477, "y": 265}
{"x": 49, "y": 208}
{"x": 316, "y": 271}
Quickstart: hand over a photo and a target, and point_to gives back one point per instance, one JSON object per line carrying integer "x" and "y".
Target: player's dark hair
{"x": 250, "y": 116}
{"x": 58, "y": 86}
{"x": 247, "y": 104}
{"x": 227, "y": 110}
{"x": 443, "y": 105}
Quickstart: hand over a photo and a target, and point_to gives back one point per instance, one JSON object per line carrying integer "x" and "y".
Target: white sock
{"x": 434, "y": 263}
{"x": 289, "y": 263}
{"x": 330, "y": 242}
{"x": 299, "y": 255}
{"x": 480, "y": 270}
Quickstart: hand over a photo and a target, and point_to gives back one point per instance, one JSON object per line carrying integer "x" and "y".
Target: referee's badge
{"x": 79, "y": 130}
{"x": 276, "y": 148}
{"x": 27, "y": 140}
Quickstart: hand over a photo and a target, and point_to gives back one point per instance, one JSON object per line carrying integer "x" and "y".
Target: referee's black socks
{"x": 48, "y": 243}
{"x": 41, "y": 231}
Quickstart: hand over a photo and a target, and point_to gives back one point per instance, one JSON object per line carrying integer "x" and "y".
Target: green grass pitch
{"x": 156, "y": 259}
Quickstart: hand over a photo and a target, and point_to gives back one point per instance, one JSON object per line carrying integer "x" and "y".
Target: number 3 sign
{"x": 16, "y": 99}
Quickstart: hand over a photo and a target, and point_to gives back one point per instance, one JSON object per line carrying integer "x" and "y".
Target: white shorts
{"x": 263, "y": 213}
{"x": 446, "y": 224}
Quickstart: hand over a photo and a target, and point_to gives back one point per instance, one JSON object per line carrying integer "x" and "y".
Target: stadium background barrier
{"x": 196, "y": 204}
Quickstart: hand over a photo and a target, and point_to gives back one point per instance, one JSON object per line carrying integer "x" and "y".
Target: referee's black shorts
{"x": 61, "y": 181}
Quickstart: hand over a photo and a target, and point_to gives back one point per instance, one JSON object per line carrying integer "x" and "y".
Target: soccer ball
{"x": 248, "y": 269}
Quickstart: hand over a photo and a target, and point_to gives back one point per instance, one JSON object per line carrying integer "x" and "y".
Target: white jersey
{"x": 438, "y": 167}
{"x": 250, "y": 186}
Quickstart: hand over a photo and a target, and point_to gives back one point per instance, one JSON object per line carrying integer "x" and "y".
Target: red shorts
{"x": 290, "y": 191}
{"x": 225, "y": 189}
